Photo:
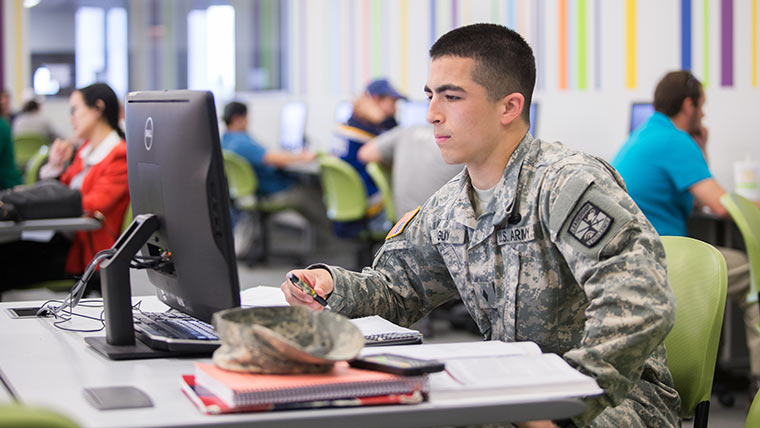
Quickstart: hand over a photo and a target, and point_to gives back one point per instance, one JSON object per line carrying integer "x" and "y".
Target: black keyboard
{"x": 175, "y": 331}
{"x": 386, "y": 339}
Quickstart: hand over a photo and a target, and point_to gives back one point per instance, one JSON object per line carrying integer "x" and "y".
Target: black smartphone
{"x": 29, "y": 312}
{"x": 397, "y": 364}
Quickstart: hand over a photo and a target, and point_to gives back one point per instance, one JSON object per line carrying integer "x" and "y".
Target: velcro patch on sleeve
{"x": 590, "y": 224}
{"x": 401, "y": 224}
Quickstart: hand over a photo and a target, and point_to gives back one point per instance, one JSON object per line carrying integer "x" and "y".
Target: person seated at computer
{"x": 373, "y": 113}
{"x": 5, "y": 107}
{"x": 31, "y": 120}
{"x": 9, "y": 174}
{"x": 537, "y": 239}
{"x": 414, "y": 158}
{"x": 275, "y": 184}
{"x": 665, "y": 169}
{"x": 98, "y": 170}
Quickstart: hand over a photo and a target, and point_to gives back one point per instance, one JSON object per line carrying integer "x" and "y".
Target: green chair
{"x": 345, "y": 197}
{"x": 26, "y": 146}
{"x": 32, "y": 170}
{"x": 697, "y": 274}
{"x": 746, "y": 215}
{"x": 18, "y": 416}
{"x": 753, "y": 417}
{"x": 242, "y": 183}
{"x": 384, "y": 182}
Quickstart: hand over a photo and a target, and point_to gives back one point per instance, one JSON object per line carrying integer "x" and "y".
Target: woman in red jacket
{"x": 99, "y": 171}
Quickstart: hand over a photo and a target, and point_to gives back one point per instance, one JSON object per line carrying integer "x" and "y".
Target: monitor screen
{"x": 640, "y": 113}
{"x": 293, "y": 126}
{"x": 533, "y": 114}
{"x": 343, "y": 111}
{"x": 413, "y": 113}
{"x": 176, "y": 173}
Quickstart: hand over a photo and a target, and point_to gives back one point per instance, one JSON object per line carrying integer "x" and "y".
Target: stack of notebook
{"x": 214, "y": 390}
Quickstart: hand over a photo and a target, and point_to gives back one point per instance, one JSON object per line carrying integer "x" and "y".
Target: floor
{"x": 343, "y": 253}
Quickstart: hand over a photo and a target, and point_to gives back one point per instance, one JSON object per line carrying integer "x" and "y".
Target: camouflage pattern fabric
{"x": 284, "y": 340}
{"x": 561, "y": 256}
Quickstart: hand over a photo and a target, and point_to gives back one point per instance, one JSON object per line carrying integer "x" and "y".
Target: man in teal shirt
{"x": 664, "y": 166}
{"x": 663, "y": 162}
{"x": 9, "y": 175}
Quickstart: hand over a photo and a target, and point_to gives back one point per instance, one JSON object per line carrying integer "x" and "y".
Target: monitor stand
{"x": 119, "y": 342}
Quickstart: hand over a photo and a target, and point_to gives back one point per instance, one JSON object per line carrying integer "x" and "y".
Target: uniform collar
{"x": 498, "y": 210}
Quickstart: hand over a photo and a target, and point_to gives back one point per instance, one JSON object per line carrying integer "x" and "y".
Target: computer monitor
{"x": 413, "y": 113}
{"x": 640, "y": 113}
{"x": 533, "y": 114}
{"x": 181, "y": 207}
{"x": 293, "y": 126}
{"x": 343, "y": 111}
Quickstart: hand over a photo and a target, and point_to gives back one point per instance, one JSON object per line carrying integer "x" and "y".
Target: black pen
{"x": 298, "y": 282}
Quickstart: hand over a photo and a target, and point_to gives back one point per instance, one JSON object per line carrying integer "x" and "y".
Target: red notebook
{"x": 212, "y": 405}
{"x": 248, "y": 389}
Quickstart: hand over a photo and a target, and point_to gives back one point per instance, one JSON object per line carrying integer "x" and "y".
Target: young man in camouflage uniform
{"x": 541, "y": 242}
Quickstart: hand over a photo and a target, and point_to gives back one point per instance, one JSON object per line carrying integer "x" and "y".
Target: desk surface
{"x": 11, "y": 230}
{"x": 45, "y": 366}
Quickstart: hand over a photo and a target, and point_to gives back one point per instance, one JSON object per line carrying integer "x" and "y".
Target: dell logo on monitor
{"x": 149, "y": 133}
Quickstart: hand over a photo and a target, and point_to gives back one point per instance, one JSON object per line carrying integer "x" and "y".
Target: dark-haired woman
{"x": 99, "y": 171}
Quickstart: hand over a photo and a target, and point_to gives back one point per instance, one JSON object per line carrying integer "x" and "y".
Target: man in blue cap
{"x": 374, "y": 113}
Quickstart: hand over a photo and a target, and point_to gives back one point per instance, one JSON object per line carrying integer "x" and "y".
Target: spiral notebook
{"x": 249, "y": 389}
{"x": 209, "y": 404}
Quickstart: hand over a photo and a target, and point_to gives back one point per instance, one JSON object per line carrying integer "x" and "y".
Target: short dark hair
{"x": 30, "y": 106}
{"x": 504, "y": 61}
{"x": 111, "y": 107}
{"x": 673, "y": 89}
{"x": 233, "y": 110}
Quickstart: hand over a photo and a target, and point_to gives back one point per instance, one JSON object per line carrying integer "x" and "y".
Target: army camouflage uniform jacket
{"x": 560, "y": 256}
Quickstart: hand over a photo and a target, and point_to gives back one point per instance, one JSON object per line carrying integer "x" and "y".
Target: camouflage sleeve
{"x": 406, "y": 281}
{"x": 616, "y": 256}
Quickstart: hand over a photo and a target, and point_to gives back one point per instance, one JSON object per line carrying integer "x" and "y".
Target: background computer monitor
{"x": 413, "y": 113}
{"x": 640, "y": 113}
{"x": 533, "y": 114}
{"x": 176, "y": 173}
{"x": 343, "y": 111}
{"x": 293, "y": 126}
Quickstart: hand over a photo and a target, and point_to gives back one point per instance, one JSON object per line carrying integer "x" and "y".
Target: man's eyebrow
{"x": 445, "y": 87}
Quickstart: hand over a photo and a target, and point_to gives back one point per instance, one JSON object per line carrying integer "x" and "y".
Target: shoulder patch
{"x": 590, "y": 224}
{"x": 399, "y": 227}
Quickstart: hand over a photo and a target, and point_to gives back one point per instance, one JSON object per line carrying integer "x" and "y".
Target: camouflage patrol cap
{"x": 284, "y": 339}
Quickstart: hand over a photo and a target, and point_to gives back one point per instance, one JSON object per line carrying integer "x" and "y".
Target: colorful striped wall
{"x": 370, "y": 38}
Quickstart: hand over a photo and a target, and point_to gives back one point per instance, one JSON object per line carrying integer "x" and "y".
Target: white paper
{"x": 449, "y": 351}
{"x": 377, "y": 325}
{"x": 262, "y": 296}
{"x": 37, "y": 235}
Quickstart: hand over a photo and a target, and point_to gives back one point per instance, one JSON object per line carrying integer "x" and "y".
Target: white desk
{"x": 45, "y": 366}
{"x": 10, "y": 231}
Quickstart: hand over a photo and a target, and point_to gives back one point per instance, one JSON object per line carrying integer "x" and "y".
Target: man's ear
{"x": 687, "y": 106}
{"x": 511, "y": 107}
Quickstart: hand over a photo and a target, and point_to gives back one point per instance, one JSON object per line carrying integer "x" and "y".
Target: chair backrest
{"x": 26, "y": 145}
{"x": 127, "y": 218}
{"x": 242, "y": 181}
{"x": 697, "y": 274}
{"x": 18, "y": 416}
{"x": 344, "y": 193}
{"x": 746, "y": 215}
{"x": 32, "y": 172}
{"x": 753, "y": 417}
{"x": 382, "y": 178}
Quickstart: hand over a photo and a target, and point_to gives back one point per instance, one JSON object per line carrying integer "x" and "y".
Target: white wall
{"x": 593, "y": 120}
{"x": 324, "y": 72}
